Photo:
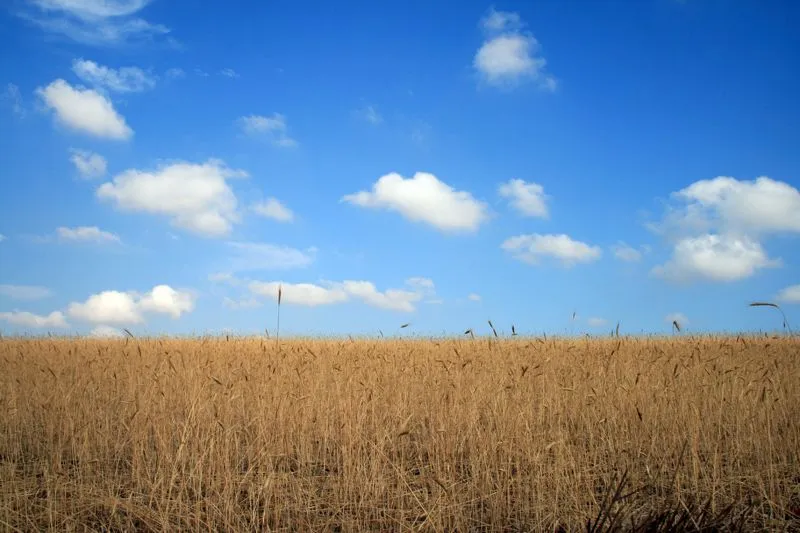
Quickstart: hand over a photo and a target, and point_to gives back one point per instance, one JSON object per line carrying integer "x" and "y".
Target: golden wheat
{"x": 438, "y": 435}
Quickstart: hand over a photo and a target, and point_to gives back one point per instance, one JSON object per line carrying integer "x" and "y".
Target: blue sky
{"x": 165, "y": 167}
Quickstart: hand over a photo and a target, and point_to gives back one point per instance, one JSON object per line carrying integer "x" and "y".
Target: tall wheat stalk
{"x": 278, "y": 328}
{"x": 778, "y": 307}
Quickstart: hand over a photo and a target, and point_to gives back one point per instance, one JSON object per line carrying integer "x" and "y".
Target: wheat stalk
{"x": 278, "y": 329}
{"x": 778, "y": 307}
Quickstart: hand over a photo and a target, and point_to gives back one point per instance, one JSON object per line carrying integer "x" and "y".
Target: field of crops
{"x": 526, "y": 434}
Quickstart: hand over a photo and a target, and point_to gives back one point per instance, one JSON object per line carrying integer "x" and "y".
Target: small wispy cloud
{"x": 25, "y": 292}
{"x": 370, "y": 114}
{"x": 91, "y": 234}
{"x": 272, "y": 127}
{"x": 122, "y": 80}
{"x": 274, "y": 209}
{"x": 94, "y": 22}
{"x": 229, "y": 73}
{"x": 13, "y": 97}
{"x": 88, "y": 164}
{"x": 249, "y": 256}
{"x": 175, "y": 73}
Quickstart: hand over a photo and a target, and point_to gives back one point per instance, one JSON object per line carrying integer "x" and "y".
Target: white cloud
{"x": 107, "y": 307}
{"x": 527, "y": 198}
{"x": 175, "y": 73}
{"x": 421, "y": 132}
{"x": 626, "y": 253}
{"x": 715, "y": 257}
{"x": 223, "y": 277}
{"x": 24, "y": 292}
{"x": 371, "y": 115}
{"x": 420, "y": 284}
{"x": 727, "y": 205}
{"x": 680, "y": 318}
{"x": 508, "y": 57}
{"x": 123, "y": 80}
{"x": 499, "y": 21}
{"x": 14, "y": 98}
{"x": 595, "y": 322}
{"x": 89, "y": 165}
{"x": 263, "y": 256}
{"x": 229, "y": 73}
{"x": 272, "y": 208}
{"x": 424, "y": 198}
{"x": 760, "y": 206}
{"x": 790, "y": 294}
{"x": 93, "y": 9}
{"x": 166, "y": 300}
{"x": 84, "y": 110}
{"x": 94, "y": 22}
{"x": 531, "y": 248}
{"x": 392, "y": 299}
{"x": 121, "y": 308}
{"x": 86, "y": 234}
{"x": 474, "y": 297}
{"x": 30, "y": 320}
{"x": 273, "y": 128}
{"x": 105, "y": 332}
{"x": 311, "y": 295}
{"x": 243, "y": 303}
{"x": 195, "y": 197}
{"x": 2, "y": 237}
{"x": 306, "y": 294}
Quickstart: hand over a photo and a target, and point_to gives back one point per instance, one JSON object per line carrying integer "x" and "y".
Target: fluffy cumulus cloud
{"x": 29, "y": 320}
{"x": 753, "y": 207}
{"x": 88, "y": 164}
{"x": 533, "y": 248}
{"x": 328, "y": 293}
{"x": 273, "y": 128}
{"x": 712, "y": 257}
{"x": 166, "y": 300}
{"x": 86, "y": 234}
{"x": 424, "y": 198}
{"x": 107, "y": 307}
{"x": 24, "y": 292}
{"x": 790, "y": 294}
{"x": 391, "y": 299}
{"x": 527, "y": 198}
{"x": 125, "y": 308}
{"x": 248, "y": 256}
{"x": 195, "y": 197}
{"x": 94, "y": 22}
{"x": 122, "y": 80}
{"x": 717, "y": 227}
{"x": 274, "y": 209}
{"x": 306, "y": 294}
{"x": 84, "y": 110}
{"x": 509, "y": 55}
{"x": 229, "y": 73}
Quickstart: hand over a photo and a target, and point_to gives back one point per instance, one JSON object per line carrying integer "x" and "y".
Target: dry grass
{"x": 450, "y": 435}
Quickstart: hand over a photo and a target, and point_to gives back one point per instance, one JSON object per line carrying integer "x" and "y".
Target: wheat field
{"x": 524, "y": 434}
